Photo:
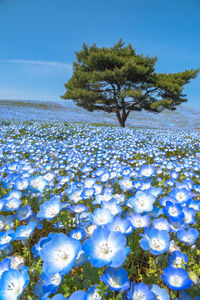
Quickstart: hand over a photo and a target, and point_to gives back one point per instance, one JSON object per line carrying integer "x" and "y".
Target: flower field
{"x": 97, "y": 212}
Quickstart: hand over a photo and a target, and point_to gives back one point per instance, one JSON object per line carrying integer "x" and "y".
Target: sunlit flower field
{"x": 98, "y": 212}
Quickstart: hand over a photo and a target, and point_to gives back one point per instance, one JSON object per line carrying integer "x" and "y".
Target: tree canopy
{"x": 117, "y": 79}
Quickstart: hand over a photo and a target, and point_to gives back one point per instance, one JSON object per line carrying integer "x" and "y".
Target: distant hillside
{"x": 183, "y": 117}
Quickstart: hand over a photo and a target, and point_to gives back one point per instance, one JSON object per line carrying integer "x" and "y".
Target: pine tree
{"x": 118, "y": 80}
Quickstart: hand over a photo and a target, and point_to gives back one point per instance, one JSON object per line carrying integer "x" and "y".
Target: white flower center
{"x": 173, "y": 211}
{"x": 157, "y": 244}
{"x": 104, "y": 250}
{"x": 175, "y": 280}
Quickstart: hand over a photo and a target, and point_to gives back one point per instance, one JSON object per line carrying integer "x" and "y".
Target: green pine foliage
{"x": 118, "y": 80}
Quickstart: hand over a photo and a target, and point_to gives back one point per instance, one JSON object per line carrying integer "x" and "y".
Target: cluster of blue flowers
{"x": 121, "y": 206}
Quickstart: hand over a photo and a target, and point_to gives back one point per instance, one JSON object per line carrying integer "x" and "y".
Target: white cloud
{"x": 53, "y": 64}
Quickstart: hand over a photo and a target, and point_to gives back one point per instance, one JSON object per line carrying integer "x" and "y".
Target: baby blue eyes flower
{"x": 24, "y": 231}
{"x": 139, "y": 221}
{"x": 188, "y": 236}
{"x": 156, "y": 241}
{"x": 147, "y": 171}
{"x": 116, "y": 279}
{"x": 176, "y": 279}
{"x": 140, "y": 291}
{"x": 13, "y": 283}
{"x": 160, "y": 294}
{"x": 49, "y": 209}
{"x": 105, "y": 248}
{"x": 59, "y": 254}
{"x": 37, "y": 184}
{"x": 177, "y": 259}
{"x": 101, "y": 216}
{"x": 141, "y": 202}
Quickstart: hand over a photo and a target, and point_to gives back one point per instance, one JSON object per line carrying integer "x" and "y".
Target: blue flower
{"x": 173, "y": 211}
{"x": 159, "y": 293}
{"x": 101, "y": 216}
{"x": 139, "y": 221}
{"x": 59, "y": 254}
{"x": 176, "y": 279}
{"x": 157, "y": 241}
{"x": 177, "y": 259}
{"x": 188, "y": 236}
{"x": 116, "y": 279}
{"x": 49, "y": 209}
{"x": 105, "y": 248}
{"x": 140, "y": 291}
{"x": 13, "y": 283}
{"x": 141, "y": 202}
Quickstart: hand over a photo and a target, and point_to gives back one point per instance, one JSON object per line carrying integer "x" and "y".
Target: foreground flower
{"x": 49, "y": 209}
{"x": 105, "y": 248}
{"x": 116, "y": 279}
{"x": 140, "y": 291}
{"x": 157, "y": 241}
{"x": 12, "y": 283}
{"x": 188, "y": 236}
{"x": 59, "y": 254}
{"x": 176, "y": 279}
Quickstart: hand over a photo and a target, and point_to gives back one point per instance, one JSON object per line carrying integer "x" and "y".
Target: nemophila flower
{"x": 141, "y": 202}
{"x": 88, "y": 193}
{"x": 156, "y": 241}
{"x": 173, "y": 211}
{"x": 119, "y": 224}
{"x": 23, "y": 212}
{"x": 160, "y": 294}
{"x": 105, "y": 248}
{"x": 11, "y": 204}
{"x": 116, "y": 279}
{"x": 101, "y": 216}
{"x": 145, "y": 186}
{"x": 181, "y": 195}
{"x": 13, "y": 283}
{"x": 58, "y": 297}
{"x": 147, "y": 170}
{"x": 156, "y": 191}
{"x": 89, "y": 182}
{"x": 188, "y": 236}
{"x": 113, "y": 206}
{"x": 176, "y": 279}
{"x": 139, "y": 221}
{"x": 195, "y": 204}
{"x": 21, "y": 183}
{"x": 4, "y": 265}
{"x": 76, "y": 195}
{"x": 140, "y": 291}
{"x": 93, "y": 293}
{"x": 161, "y": 224}
{"x": 59, "y": 254}
{"x": 77, "y": 234}
{"x": 37, "y": 184}
{"x": 79, "y": 208}
{"x": 5, "y": 238}
{"x": 126, "y": 183}
{"x": 24, "y": 231}
{"x": 78, "y": 295}
{"x": 49, "y": 209}
{"x": 98, "y": 188}
{"x": 6, "y": 222}
{"x": 51, "y": 282}
{"x": 178, "y": 259}
{"x": 174, "y": 175}
{"x": 189, "y": 215}
{"x": 104, "y": 176}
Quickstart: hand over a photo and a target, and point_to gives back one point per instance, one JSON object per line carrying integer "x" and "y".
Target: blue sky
{"x": 38, "y": 39}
